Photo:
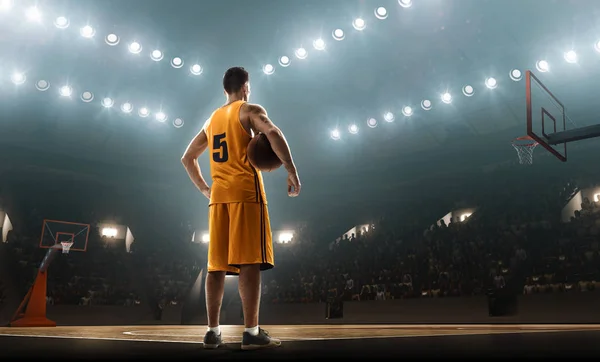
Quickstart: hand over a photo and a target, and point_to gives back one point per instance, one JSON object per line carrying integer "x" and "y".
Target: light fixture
{"x": 196, "y": 69}
{"x": 107, "y": 102}
{"x": 405, "y": 3}
{"x": 542, "y": 66}
{"x": 372, "y": 122}
{"x": 359, "y": 24}
{"x": 18, "y": 78}
{"x": 381, "y": 13}
{"x": 284, "y": 61}
{"x": 61, "y": 22}
{"x": 268, "y": 69}
{"x": 301, "y": 53}
{"x": 42, "y": 85}
{"x": 87, "y": 32}
{"x": 65, "y": 91}
{"x": 426, "y": 104}
{"x": 177, "y": 62}
{"x": 87, "y": 96}
{"x": 389, "y": 117}
{"x": 126, "y": 107}
{"x": 112, "y": 39}
{"x": 335, "y": 134}
{"x": 135, "y": 47}
{"x": 156, "y": 55}
{"x": 468, "y": 90}
{"x": 515, "y": 75}
{"x": 338, "y": 34}
{"x": 319, "y": 44}
{"x": 178, "y": 123}
{"x": 491, "y": 83}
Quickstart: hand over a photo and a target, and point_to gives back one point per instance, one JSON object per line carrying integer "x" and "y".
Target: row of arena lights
{"x": 66, "y": 91}
{"x": 33, "y": 14}
{"x": 543, "y": 66}
{"x": 319, "y": 44}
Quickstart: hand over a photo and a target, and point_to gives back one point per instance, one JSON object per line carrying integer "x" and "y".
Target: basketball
{"x": 261, "y": 155}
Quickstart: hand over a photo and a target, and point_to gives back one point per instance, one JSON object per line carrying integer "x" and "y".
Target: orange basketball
{"x": 261, "y": 154}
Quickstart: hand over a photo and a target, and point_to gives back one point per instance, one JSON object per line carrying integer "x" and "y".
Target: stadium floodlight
{"x": 87, "y": 32}
{"x": 353, "y": 129}
{"x": 177, "y": 62}
{"x": 268, "y": 69}
{"x": 285, "y": 61}
{"x": 143, "y": 112}
{"x": 87, "y": 96}
{"x": 338, "y": 34}
{"x": 335, "y": 134}
{"x": 542, "y": 66}
{"x": 108, "y": 102}
{"x": 468, "y": 90}
{"x": 65, "y": 91}
{"x": 515, "y": 75}
{"x": 407, "y": 111}
{"x": 157, "y": 55}
{"x": 160, "y": 116}
{"x": 301, "y": 53}
{"x": 426, "y": 104}
{"x": 112, "y": 39}
{"x": 319, "y": 44}
{"x": 491, "y": 83}
{"x": 372, "y": 122}
{"x": 571, "y": 57}
{"x": 126, "y": 107}
{"x": 196, "y": 69}
{"x": 18, "y": 78}
{"x": 447, "y": 98}
{"x": 135, "y": 47}
{"x": 389, "y": 117}
{"x": 359, "y": 24}
{"x": 405, "y": 3}
{"x": 33, "y": 14}
{"x": 178, "y": 123}
{"x": 42, "y": 85}
{"x": 381, "y": 13}
{"x": 61, "y": 22}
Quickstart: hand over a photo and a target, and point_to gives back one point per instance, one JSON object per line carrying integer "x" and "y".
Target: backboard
{"x": 55, "y": 231}
{"x": 545, "y": 116}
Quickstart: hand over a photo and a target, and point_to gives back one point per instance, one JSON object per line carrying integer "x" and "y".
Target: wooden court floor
{"x": 232, "y": 334}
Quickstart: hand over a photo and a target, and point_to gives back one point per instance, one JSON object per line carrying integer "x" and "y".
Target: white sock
{"x": 253, "y": 331}
{"x": 216, "y": 329}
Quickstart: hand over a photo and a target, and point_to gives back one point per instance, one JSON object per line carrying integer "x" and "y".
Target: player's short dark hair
{"x": 234, "y": 79}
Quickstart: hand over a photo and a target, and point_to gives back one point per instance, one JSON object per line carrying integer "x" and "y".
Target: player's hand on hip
{"x": 293, "y": 184}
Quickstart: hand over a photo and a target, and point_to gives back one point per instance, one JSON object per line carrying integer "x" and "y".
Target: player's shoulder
{"x": 253, "y": 108}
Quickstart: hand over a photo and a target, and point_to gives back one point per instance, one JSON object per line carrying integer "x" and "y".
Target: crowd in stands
{"x": 509, "y": 242}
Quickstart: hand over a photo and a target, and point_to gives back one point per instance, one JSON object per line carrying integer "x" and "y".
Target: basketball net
{"x": 524, "y": 147}
{"x": 66, "y": 246}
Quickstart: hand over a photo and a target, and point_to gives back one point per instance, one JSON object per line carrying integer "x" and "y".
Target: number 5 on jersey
{"x": 220, "y": 153}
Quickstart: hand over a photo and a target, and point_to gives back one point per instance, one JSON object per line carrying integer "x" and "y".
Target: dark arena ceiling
{"x": 415, "y": 53}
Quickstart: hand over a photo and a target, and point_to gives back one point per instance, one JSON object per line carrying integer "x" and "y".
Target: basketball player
{"x": 239, "y": 229}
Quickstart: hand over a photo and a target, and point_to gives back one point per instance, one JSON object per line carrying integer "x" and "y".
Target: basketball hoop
{"x": 66, "y": 246}
{"x": 525, "y": 146}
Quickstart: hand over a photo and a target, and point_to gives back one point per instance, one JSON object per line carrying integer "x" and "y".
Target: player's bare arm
{"x": 260, "y": 122}
{"x": 190, "y": 162}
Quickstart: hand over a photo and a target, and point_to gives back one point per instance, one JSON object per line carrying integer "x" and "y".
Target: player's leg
{"x": 251, "y": 249}
{"x": 218, "y": 251}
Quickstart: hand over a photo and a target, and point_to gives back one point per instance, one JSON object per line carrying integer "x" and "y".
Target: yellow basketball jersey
{"x": 234, "y": 179}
